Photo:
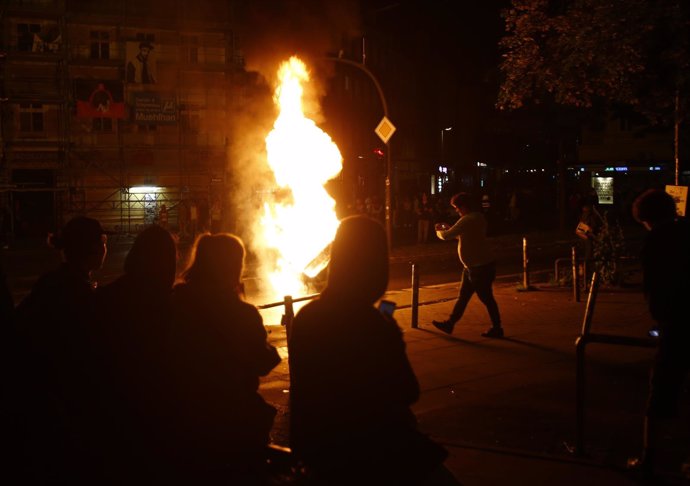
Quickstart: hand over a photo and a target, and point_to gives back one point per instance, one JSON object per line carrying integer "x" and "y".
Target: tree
{"x": 579, "y": 52}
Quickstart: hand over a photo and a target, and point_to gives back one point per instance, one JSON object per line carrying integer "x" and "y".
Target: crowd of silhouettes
{"x": 153, "y": 378}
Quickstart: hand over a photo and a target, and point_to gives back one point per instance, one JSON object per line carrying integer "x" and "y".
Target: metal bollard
{"x": 288, "y": 317}
{"x": 576, "y": 280}
{"x": 525, "y": 264}
{"x": 415, "y": 296}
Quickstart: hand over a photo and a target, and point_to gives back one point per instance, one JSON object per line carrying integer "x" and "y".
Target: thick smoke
{"x": 271, "y": 32}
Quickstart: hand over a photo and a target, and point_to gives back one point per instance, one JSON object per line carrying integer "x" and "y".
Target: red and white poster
{"x": 99, "y": 99}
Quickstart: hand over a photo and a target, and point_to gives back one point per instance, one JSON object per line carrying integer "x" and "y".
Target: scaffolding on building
{"x": 124, "y": 199}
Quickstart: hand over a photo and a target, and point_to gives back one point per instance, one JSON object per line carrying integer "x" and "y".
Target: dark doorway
{"x": 33, "y": 202}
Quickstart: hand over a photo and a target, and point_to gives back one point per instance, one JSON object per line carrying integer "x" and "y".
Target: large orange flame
{"x": 301, "y": 222}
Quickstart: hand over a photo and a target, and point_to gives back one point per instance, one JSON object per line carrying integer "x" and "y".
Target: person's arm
{"x": 448, "y": 233}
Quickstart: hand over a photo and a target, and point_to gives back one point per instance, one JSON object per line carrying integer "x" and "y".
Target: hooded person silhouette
{"x": 134, "y": 319}
{"x": 351, "y": 382}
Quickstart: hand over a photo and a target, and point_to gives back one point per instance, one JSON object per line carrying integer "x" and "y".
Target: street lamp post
{"x": 447, "y": 129}
{"x": 389, "y": 170}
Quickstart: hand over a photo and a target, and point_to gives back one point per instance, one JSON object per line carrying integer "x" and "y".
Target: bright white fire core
{"x": 300, "y": 222}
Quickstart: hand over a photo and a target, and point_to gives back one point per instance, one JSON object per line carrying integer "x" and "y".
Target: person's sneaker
{"x": 445, "y": 326}
{"x": 494, "y": 332}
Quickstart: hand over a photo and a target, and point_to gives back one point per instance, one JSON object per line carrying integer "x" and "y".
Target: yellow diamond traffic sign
{"x": 385, "y": 130}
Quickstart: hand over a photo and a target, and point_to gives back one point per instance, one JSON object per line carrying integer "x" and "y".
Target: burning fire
{"x": 300, "y": 222}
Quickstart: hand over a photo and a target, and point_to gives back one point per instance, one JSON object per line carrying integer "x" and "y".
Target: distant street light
{"x": 447, "y": 129}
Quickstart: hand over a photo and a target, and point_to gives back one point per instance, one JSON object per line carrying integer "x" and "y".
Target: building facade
{"x": 114, "y": 108}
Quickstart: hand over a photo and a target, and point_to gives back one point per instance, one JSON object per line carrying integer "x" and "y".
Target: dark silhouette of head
{"x": 82, "y": 241}
{"x": 463, "y": 202}
{"x": 145, "y": 49}
{"x": 152, "y": 258}
{"x": 358, "y": 269}
{"x": 653, "y": 207}
{"x": 217, "y": 260}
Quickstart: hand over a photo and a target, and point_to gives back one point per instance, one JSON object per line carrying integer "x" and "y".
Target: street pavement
{"x": 505, "y": 408}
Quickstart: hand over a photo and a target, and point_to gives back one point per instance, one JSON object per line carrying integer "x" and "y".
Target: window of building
{"x": 25, "y": 36}
{"x": 190, "y": 49}
{"x": 100, "y": 44}
{"x": 102, "y": 124}
{"x": 31, "y": 117}
{"x": 144, "y": 37}
{"x": 190, "y": 120}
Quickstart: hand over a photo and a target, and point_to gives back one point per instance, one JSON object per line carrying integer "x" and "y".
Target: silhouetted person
{"x": 53, "y": 324}
{"x": 351, "y": 384}
{"x": 6, "y": 300}
{"x": 10, "y": 407}
{"x": 666, "y": 265}
{"x": 588, "y": 228}
{"x": 219, "y": 349}
{"x": 134, "y": 314}
{"x": 478, "y": 262}
{"x": 424, "y": 211}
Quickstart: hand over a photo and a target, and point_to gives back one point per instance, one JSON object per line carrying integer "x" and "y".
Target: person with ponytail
{"x": 217, "y": 351}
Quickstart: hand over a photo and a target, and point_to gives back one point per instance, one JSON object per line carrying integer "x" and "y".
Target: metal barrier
{"x": 288, "y": 302}
{"x": 289, "y": 315}
{"x": 585, "y": 338}
{"x": 575, "y": 262}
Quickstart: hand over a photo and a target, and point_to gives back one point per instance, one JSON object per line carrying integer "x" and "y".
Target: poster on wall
{"x": 680, "y": 195}
{"x": 140, "y": 63}
{"x": 99, "y": 99}
{"x": 153, "y": 108}
{"x": 604, "y": 188}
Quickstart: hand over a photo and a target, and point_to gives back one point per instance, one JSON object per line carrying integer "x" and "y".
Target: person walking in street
{"x": 666, "y": 265}
{"x": 424, "y": 211}
{"x": 478, "y": 262}
{"x": 351, "y": 383}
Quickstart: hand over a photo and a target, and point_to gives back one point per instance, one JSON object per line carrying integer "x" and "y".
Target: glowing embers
{"x": 300, "y": 221}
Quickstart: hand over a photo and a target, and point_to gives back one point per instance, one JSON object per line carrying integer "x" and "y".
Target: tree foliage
{"x": 576, "y": 52}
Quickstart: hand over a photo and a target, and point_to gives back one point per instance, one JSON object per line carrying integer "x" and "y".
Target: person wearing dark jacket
{"x": 351, "y": 384}
{"x": 218, "y": 349}
{"x": 134, "y": 316}
{"x": 665, "y": 261}
{"x": 58, "y": 385}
